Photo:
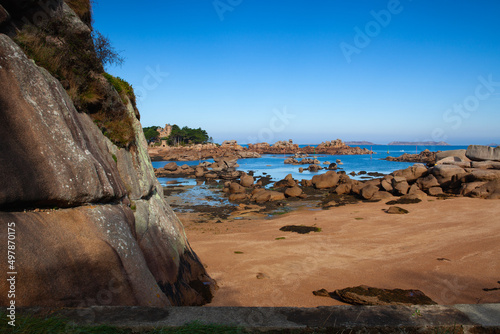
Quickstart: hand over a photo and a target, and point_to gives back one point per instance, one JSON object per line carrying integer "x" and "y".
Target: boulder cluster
{"x": 474, "y": 172}
{"x": 223, "y": 168}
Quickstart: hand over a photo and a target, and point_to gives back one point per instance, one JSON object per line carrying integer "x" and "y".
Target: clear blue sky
{"x": 264, "y": 70}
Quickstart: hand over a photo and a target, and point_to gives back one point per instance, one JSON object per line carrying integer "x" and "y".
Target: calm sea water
{"x": 272, "y": 164}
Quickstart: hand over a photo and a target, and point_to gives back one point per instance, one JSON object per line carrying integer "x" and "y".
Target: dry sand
{"x": 449, "y": 249}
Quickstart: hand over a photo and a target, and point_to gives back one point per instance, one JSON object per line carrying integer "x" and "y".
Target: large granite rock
{"x": 116, "y": 242}
{"x": 262, "y": 196}
{"x": 368, "y": 191}
{"x": 246, "y": 180}
{"x": 445, "y": 174}
{"x": 483, "y": 153}
{"x": 295, "y": 191}
{"x": 51, "y": 154}
{"x": 79, "y": 257}
{"x": 460, "y": 154}
{"x": 412, "y": 173}
{"x": 427, "y": 182}
{"x": 325, "y": 181}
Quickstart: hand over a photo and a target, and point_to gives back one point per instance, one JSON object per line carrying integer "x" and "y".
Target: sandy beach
{"x": 449, "y": 249}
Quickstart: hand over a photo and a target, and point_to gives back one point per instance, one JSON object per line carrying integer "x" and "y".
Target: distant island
{"x": 421, "y": 143}
{"x": 354, "y": 143}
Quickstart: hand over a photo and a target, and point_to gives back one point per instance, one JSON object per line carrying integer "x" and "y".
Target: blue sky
{"x": 256, "y": 70}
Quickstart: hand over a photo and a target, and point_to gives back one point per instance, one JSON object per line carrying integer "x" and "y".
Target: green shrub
{"x": 122, "y": 87}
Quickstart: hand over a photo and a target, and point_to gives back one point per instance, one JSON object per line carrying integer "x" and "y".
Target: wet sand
{"x": 449, "y": 249}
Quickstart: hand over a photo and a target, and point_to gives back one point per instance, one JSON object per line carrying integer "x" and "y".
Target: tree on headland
{"x": 187, "y": 135}
{"x": 178, "y": 135}
{"x": 151, "y": 133}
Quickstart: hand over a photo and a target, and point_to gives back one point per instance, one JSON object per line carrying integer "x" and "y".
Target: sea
{"x": 273, "y": 164}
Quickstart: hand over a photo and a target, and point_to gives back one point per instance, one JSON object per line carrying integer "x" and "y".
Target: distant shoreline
{"x": 421, "y": 143}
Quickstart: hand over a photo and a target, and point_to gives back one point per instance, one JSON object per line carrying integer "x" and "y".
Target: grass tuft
{"x": 71, "y": 58}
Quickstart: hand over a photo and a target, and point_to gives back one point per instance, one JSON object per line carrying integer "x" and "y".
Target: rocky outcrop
{"x": 201, "y": 152}
{"x": 91, "y": 222}
{"x": 231, "y": 148}
{"x": 285, "y": 145}
{"x": 332, "y": 144}
{"x": 458, "y": 155}
{"x": 483, "y": 153}
{"x": 365, "y": 295}
{"x": 425, "y": 156}
{"x": 334, "y": 147}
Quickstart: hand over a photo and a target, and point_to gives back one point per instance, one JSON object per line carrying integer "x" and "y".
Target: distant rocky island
{"x": 362, "y": 142}
{"x": 421, "y": 143}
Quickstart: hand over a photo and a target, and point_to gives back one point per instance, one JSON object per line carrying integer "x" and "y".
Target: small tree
{"x": 105, "y": 52}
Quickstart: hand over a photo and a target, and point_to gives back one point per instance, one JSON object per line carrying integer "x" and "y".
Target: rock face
{"x": 114, "y": 240}
{"x": 55, "y": 162}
